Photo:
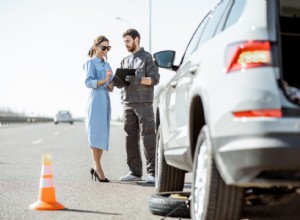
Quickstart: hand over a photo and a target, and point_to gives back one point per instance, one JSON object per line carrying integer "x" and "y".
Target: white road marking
{"x": 56, "y": 133}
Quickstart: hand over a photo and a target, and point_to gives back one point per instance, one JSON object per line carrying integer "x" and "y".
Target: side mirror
{"x": 164, "y": 59}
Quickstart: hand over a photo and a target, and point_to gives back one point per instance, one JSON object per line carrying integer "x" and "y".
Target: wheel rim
{"x": 200, "y": 182}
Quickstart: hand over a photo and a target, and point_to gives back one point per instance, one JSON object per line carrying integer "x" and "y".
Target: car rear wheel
{"x": 212, "y": 199}
{"x": 168, "y": 178}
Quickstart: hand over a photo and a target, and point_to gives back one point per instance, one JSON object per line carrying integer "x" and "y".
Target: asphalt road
{"x": 21, "y": 150}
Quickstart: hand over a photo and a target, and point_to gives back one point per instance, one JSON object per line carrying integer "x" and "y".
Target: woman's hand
{"x": 107, "y": 78}
{"x": 108, "y": 74}
{"x": 110, "y": 87}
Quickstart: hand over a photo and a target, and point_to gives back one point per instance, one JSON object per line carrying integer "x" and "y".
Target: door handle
{"x": 193, "y": 69}
{"x": 174, "y": 84}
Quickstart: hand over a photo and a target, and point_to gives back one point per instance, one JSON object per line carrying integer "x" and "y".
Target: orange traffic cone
{"x": 47, "y": 199}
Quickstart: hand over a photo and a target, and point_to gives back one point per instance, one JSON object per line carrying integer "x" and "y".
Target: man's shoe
{"x": 129, "y": 177}
{"x": 150, "y": 179}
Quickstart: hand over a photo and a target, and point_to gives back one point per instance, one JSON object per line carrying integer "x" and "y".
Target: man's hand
{"x": 132, "y": 79}
{"x": 146, "y": 81}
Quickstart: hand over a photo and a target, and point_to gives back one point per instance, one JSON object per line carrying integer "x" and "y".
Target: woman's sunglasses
{"x": 105, "y": 48}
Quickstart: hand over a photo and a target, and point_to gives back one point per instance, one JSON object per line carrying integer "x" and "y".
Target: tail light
{"x": 274, "y": 113}
{"x": 247, "y": 55}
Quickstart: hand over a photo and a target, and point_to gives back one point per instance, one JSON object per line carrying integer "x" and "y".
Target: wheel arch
{"x": 196, "y": 122}
{"x": 157, "y": 118}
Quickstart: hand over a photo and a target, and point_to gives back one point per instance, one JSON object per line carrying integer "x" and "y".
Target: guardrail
{"x": 9, "y": 120}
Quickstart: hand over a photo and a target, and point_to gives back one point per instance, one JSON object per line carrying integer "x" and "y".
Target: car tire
{"x": 212, "y": 199}
{"x": 168, "y": 178}
{"x": 171, "y": 204}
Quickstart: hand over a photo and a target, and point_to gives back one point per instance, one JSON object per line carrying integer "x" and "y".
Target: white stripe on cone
{"x": 46, "y": 170}
{"x": 46, "y": 183}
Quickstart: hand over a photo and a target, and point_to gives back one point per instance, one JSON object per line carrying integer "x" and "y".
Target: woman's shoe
{"x": 104, "y": 180}
{"x": 92, "y": 172}
{"x": 100, "y": 180}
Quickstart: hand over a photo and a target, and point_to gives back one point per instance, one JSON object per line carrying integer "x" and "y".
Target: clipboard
{"x": 120, "y": 75}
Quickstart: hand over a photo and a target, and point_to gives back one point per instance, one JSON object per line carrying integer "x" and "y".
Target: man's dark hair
{"x": 133, "y": 33}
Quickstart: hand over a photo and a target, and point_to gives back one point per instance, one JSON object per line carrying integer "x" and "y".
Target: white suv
{"x": 231, "y": 113}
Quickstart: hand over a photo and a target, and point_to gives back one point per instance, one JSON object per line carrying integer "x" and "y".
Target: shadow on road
{"x": 145, "y": 184}
{"x": 88, "y": 211}
{"x": 139, "y": 183}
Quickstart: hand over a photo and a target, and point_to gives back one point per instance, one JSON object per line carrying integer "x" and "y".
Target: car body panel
{"x": 202, "y": 75}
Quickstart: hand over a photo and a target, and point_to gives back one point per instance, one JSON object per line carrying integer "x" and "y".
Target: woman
{"x": 98, "y": 76}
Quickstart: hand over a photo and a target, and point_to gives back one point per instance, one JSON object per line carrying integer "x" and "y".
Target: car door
{"x": 168, "y": 109}
{"x": 177, "y": 96}
{"x": 179, "y": 119}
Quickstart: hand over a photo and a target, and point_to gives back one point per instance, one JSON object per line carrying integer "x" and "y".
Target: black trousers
{"x": 139, "y": 122}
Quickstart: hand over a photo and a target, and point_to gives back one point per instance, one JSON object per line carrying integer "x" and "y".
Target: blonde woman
{"x": 98, "y": 76}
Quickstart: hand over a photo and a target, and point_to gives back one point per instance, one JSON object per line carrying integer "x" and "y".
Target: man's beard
{"x": 132, "y": 48}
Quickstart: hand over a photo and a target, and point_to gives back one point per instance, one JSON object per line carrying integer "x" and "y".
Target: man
{"x": 139, "y": 116}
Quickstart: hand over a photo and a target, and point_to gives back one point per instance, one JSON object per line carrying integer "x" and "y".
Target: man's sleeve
{"x": 152, "y": 70}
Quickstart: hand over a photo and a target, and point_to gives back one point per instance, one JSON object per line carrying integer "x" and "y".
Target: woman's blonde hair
{"x": 97, "y": 41}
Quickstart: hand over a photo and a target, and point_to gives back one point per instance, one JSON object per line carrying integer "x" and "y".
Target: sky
{"x": 44, "y": 43}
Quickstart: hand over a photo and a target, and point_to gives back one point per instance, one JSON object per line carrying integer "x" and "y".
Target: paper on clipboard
{"x": 120, "y": 75}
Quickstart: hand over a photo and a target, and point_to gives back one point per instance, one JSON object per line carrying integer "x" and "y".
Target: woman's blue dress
{"x": 98, "y": 106}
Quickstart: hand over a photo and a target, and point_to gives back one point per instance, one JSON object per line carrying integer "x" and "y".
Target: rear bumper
{"x": 266, "y": 160}
{"x": 63, "y": 121}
